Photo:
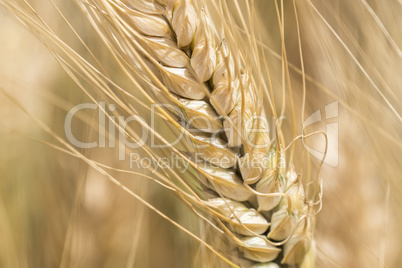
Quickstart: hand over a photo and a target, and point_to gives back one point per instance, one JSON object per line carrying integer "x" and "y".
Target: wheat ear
{"x": 215, "y": 95}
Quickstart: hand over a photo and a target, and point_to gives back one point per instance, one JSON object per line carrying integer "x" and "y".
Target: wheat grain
{"x": 235, "y": 213}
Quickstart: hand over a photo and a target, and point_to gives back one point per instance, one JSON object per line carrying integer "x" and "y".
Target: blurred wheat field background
{"x": 56, "y": 210}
